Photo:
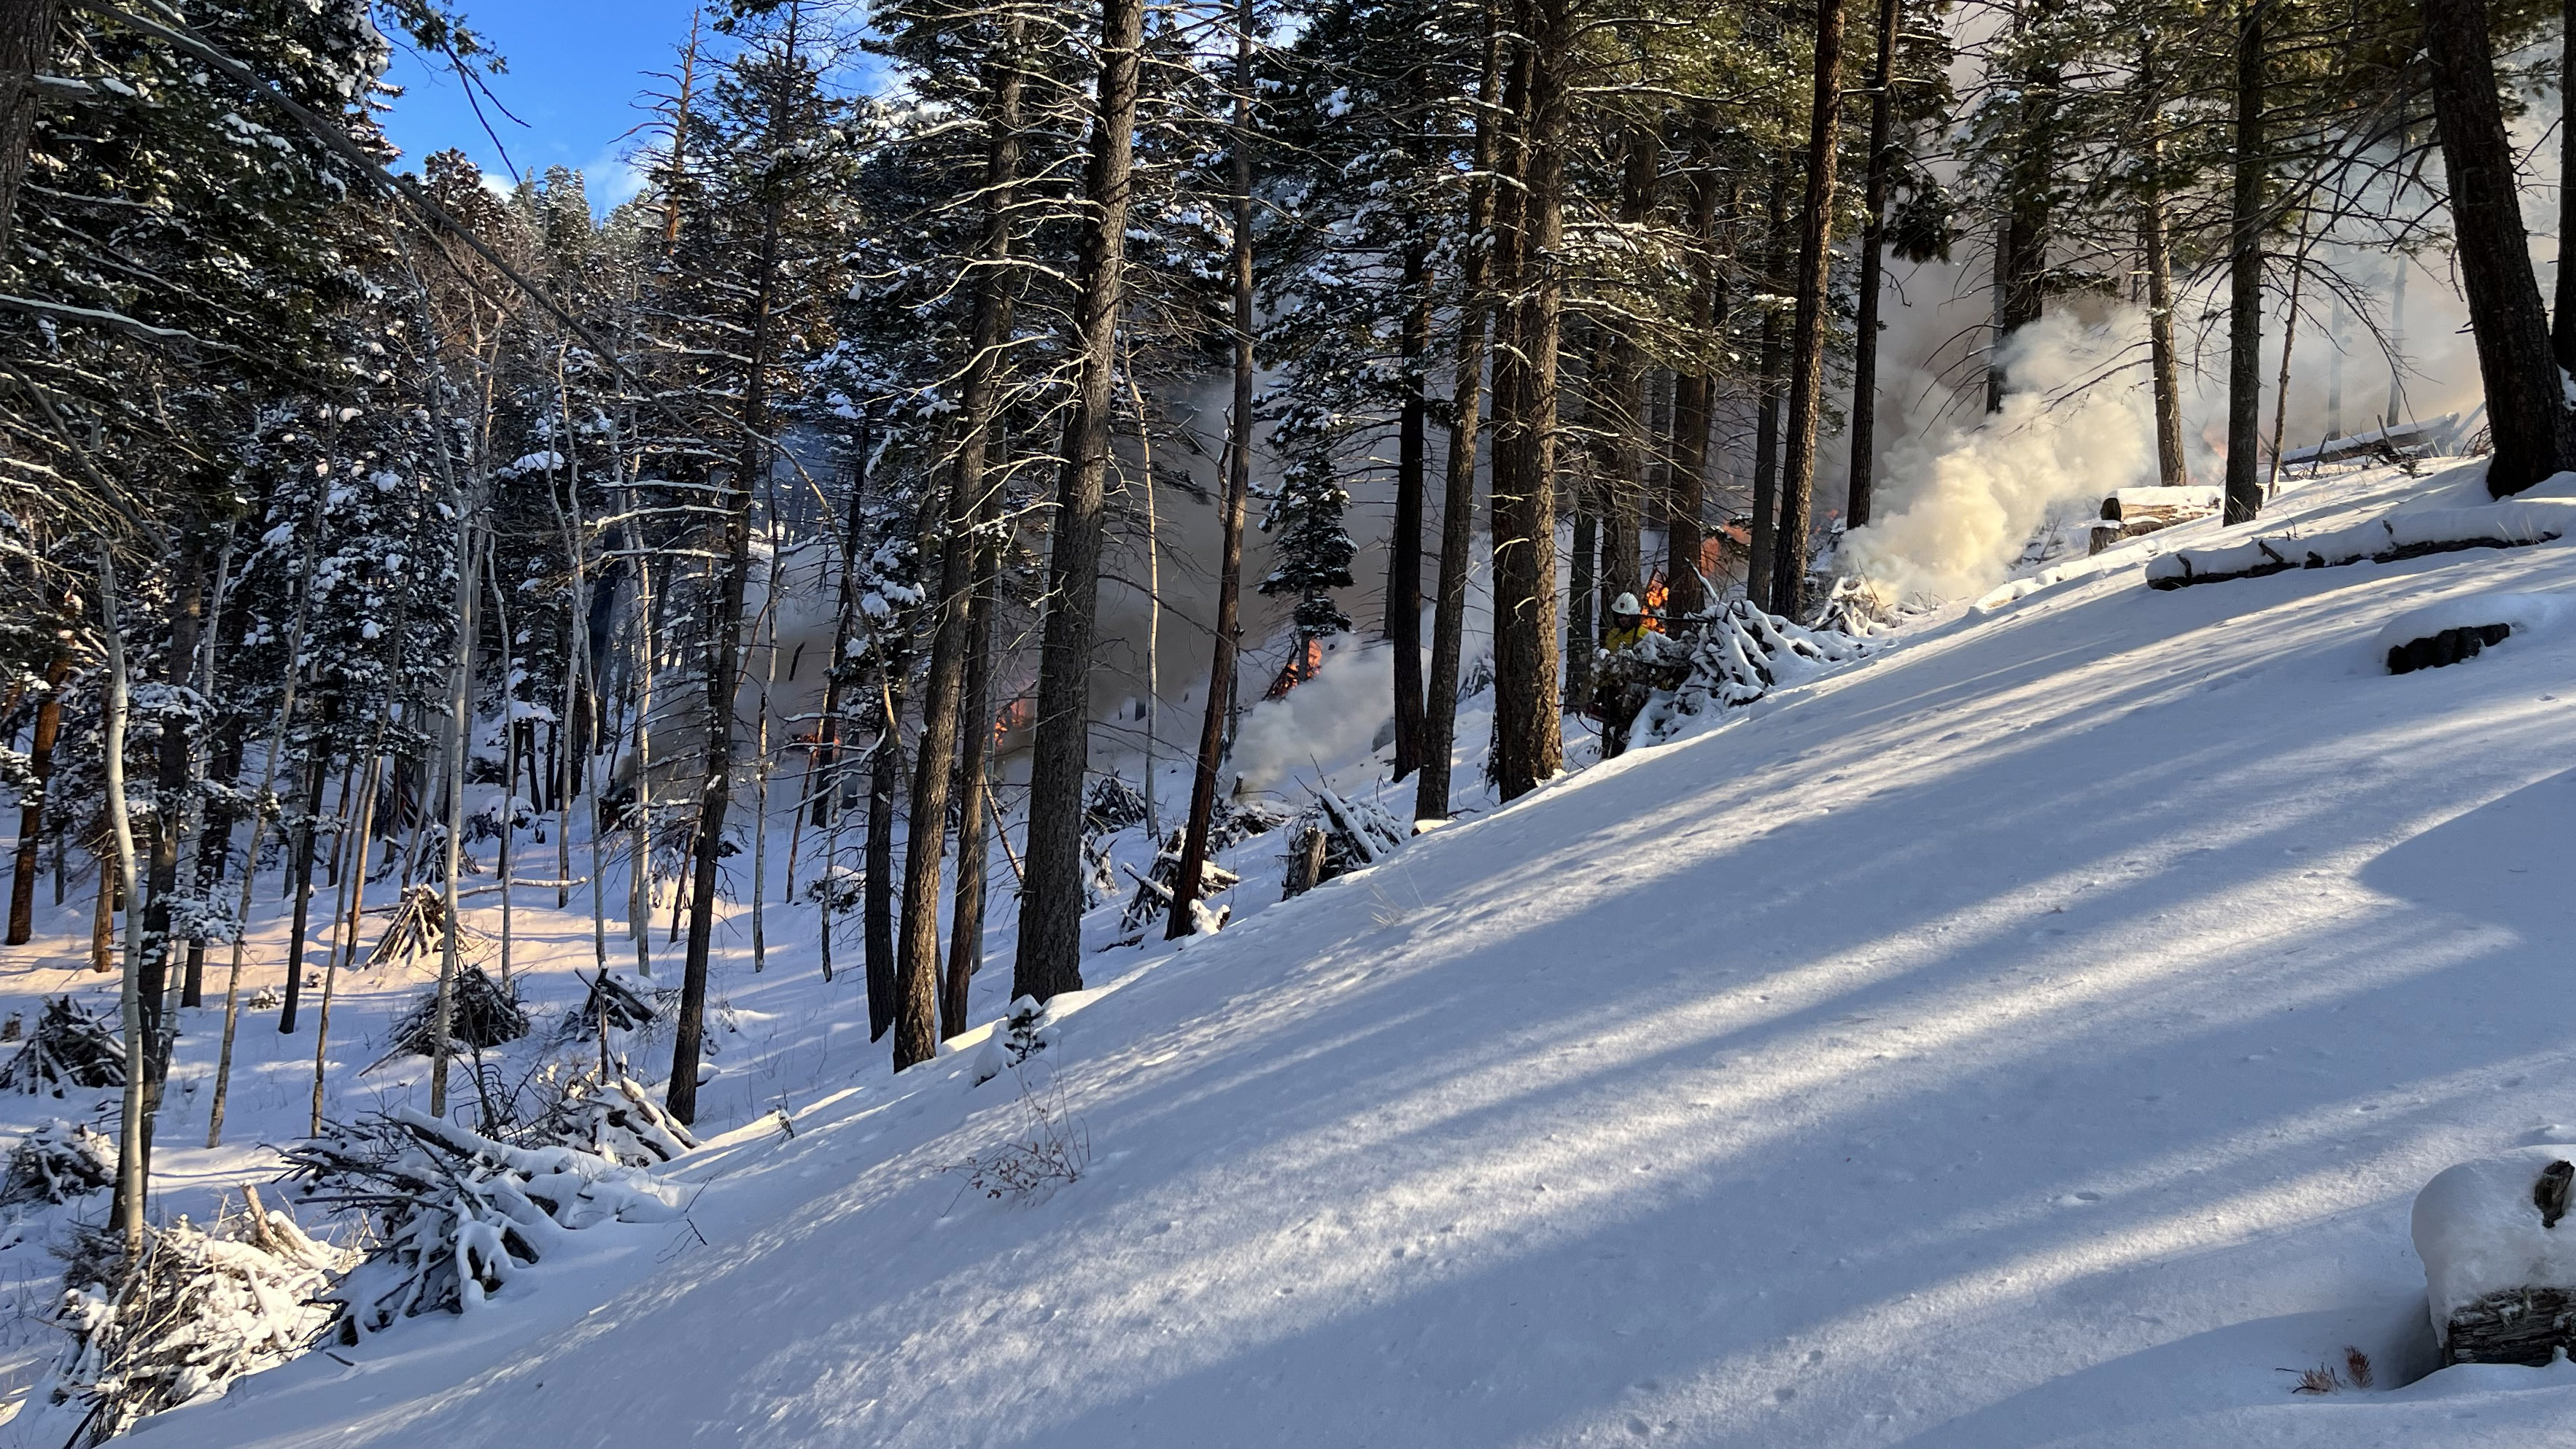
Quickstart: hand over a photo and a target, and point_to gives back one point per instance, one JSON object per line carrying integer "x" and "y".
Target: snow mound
{"x": 2478, "y": 1231}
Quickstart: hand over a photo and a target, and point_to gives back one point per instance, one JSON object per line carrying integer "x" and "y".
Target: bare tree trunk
{"x": 974, "y": 804}
{"x": 31, "y": 814}
{"x": 134, "y": 1137}
{"x": 1583, "y": 592}
{"x": 917, "y": 982}
{"x": 1226, "y": 641}
{"x": 1623, "y": 393}
{"x": 1458, "y": 483}
{"x": 1873, "y": 262}
{"x": 459, "y": 737}
{"x": 26, "y": 52}
{"x": 317, "y": 763}
{"x": 2021, "y": 248}
{"x": 1807, "y": 345}
{"x": 258, "y": 815}
{"x": 1766, "y": 395}
{"x": 169, "y": 814}
{"x": 1050, "y": 950}
{"x": 1404, "y": 544}
{"x": 2289, "y": 344}
{"x": 2562, "y": 336}
{"x": 876, "y": 909}
{"x": 1693, "y": 398}
{"x": 2155, "y": 243}
{"x": 2245, "y": 276}
{"x": 1526, "y": 650}
{"x": 2527, "y": 412}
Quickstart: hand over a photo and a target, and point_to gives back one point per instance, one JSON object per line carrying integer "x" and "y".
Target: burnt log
{"x": 2450, "y": 646}
{"x": 2513, "y": 1325}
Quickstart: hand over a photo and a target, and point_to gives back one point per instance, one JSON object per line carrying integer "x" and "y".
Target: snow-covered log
{"x": 2499, "y": 1256}
{"x": 2384, "y": 539}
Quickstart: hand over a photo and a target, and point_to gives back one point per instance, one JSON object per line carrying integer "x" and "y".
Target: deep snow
{"x": 2033, "y": 1034}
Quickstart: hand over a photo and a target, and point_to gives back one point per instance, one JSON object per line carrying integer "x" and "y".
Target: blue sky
{"x": 576, "y": 74}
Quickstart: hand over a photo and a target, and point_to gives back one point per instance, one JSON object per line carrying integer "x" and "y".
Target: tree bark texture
{"x": 1531, "y": 746}
{"x": 2527, "y": 412}
{"x": 31, "y": 815}
{"x": 1050, "y": 949}
{"x": 26, "y": 52}
{"x": 1404, "y": 544}
{"x": 917, "y": 980}
{"x": 1873, "y": 262}
{"x": 1458, "y": 480}
{"x": 1227, "y": 642}
{"x": 2245, "y": 274}
{"x": 1807, "y": 341}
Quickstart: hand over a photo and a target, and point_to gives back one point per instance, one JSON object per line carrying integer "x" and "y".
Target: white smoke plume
{"x": 1330, "y": 721}
{"x": 1959, "y": 501}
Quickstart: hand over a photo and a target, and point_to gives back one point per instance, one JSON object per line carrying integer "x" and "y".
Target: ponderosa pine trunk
{"x": 2527, "y": 412}
{"x": 917, "y": 978}
{"x": 1626, "y": 417}
{"x": 2155, "y": 246}
{"x": 26, "y": 52}
{"x": 2021, "y": 247}
{"x": 974, "y": 799}
{"x": 1527, "y": 699}
{"x": 1050, "y": 950}
{"x": 1766, "y": 398}
{"x": 2245, "y": 273}
{"x": 1873, "y": 264}
{"x": 31, "y": 814}
{"x": 1227, "y": 642}
{"x": 1404, "y": 543}
{"x": 1458, "y": 481}
{"x": 1694, "y": 398}
{"x": 317, "y": 763}
{"x": 877, "y": 890}
{"x": 724, "y": 669}
{"x": 1807, "y": 340}
{"x": 2562, "y": 336}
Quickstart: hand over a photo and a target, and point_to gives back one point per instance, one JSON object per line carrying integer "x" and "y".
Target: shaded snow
{"x": 2035, "y": 1035}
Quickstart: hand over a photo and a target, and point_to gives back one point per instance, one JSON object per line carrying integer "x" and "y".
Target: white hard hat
{"x": 1626, "y": 604}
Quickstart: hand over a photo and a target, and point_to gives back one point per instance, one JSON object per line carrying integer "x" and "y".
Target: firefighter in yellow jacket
{"x": 1615, "y": 702}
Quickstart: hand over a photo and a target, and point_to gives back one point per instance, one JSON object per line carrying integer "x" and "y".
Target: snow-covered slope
{"x": 2034, "y": 1034}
